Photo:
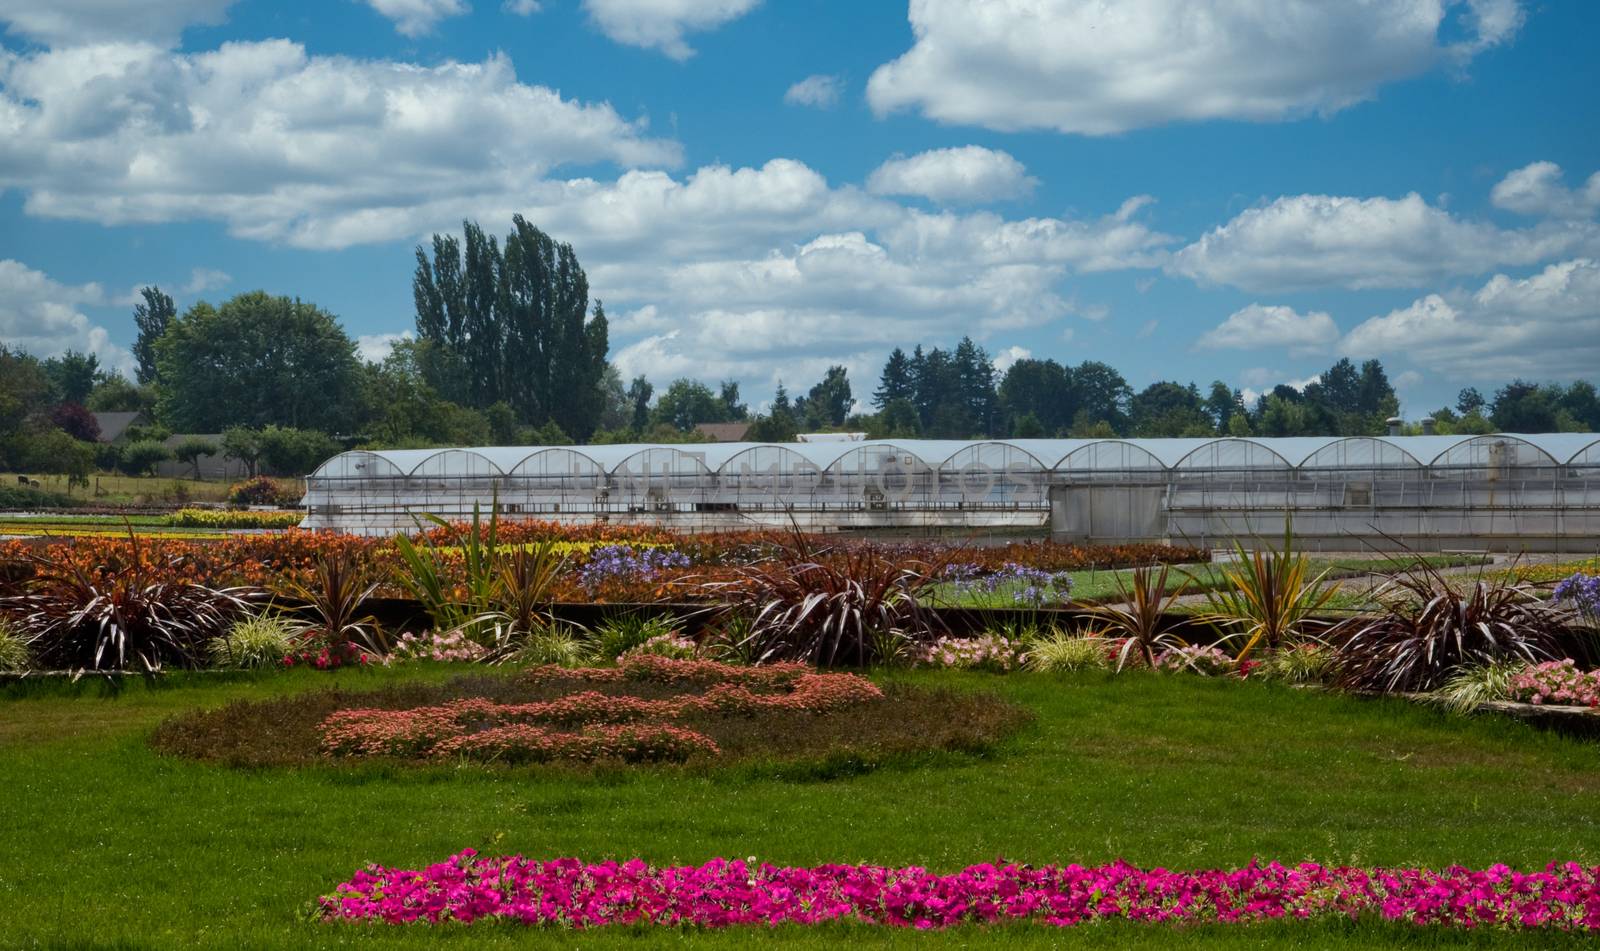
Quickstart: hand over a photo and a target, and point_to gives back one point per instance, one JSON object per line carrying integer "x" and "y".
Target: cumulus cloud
{"x": 726, "y": 284}
{"x": 68, "y": 22}
{"x": 417, "y": 17}
{"x": 661, "y": 24}
{"x": 375, "y": 348}
{"x": 43, "y": 317}
{"x": 819, "y": 92}
{"x": 316, "y": 151}
{"x": 1004, "y": 360}
{"x": 521, "y": 8}
{"x": 1546, "y": 325}
{"x": 1539, "y": 190}
{"x": 971, "y": 174}
{"x": 1305, "y": 241}
{"x": 1258, "y": 326}
{"x": 1085, "y": 66}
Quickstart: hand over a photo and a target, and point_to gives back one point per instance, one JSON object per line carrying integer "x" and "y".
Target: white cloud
{"x": 69, "y": 22}
{"x": 661, "y": 24}
{"x": 1087, "y": 66}
{"x": 521, "y": 8}
{"x": 417, "y": 17}
{"x": 316, "y": 151}
{"x": 751, "y": 272}
{"x": 1546, "y": 325}
{"x": 1537, "y": 189}
{"x": 970, "y": 174}
{"x": 1004, "y": 360}
{"x": 1147, "y": 329}
{"x": 1259, "y": 381}
{"x": 1258, "y": 326}
{"x": 819, "y": 91}
{"x": 203, "y": 279}
{"x": 1306, "y": 241}
{"x": 375, "y": 348}
{"x": 42, "y": 316}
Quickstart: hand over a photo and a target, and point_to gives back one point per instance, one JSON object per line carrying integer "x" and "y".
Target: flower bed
{"x": 722, "y": 892}
{"x": 482, "y": 728}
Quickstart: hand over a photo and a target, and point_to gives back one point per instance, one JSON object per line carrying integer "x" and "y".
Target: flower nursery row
{"x": 722, "y": 892}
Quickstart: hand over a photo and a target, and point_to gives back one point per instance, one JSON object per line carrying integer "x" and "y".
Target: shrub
{"x": 1268, "y": 596}
{"x": 621, "y": 634}
{"x": 1308, "y": 662}
{"x": 253, "y": 643}
{"x": 1433, "y": 625}
{"x": 1063, "y": 653}
{"x": 79, "y": 619}
{"x": 553, "y": 646}
{"x": 1136, "y": 624}
{"x": 831, "y": 607}
{"x": 337, "y": 594}
{"x": 1025, "y": 585}
{"x": 262, "y": 490}
{"x": 13, "y": 649}
{"x": 1470, "y": 687}
{"x": 1555, "y": 682}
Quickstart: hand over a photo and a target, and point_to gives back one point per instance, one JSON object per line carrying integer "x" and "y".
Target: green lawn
{"x": 108, "y": 488}
{"x": 104, "y": 844}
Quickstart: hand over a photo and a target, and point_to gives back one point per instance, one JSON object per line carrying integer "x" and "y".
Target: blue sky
{"x": 1188, "y": 189}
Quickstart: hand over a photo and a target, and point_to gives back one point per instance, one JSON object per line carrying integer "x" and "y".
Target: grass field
{"x": 115, "y": 489}
{"x": 105, "y": 844}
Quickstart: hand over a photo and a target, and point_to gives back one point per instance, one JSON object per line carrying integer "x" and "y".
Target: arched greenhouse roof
{"x": 1062, "y": 455}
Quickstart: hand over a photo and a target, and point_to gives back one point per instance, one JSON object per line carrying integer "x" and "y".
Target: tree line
{"x": 508, "y": 349}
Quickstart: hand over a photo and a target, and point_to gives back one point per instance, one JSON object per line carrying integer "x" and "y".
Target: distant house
{"x": 113, "y": 426}
{"x": 723, "y": 432}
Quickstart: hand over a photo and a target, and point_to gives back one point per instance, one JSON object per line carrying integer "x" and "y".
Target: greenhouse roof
{"x": 1041, "y": 454}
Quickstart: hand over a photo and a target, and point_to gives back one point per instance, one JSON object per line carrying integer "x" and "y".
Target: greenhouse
{"x": 1499, "y": 492}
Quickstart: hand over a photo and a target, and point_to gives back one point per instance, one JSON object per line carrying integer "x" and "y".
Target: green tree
{"x": 1041, "y": 389}
{"x": 1169, "y": 409}
{"x": 257, "y": 360}
{"x": 1523, "y": 407}
{"x": 53, "y": 452}
{"x": 896, "y": 382}
{"x": 244, "y": 444}
{"x": 1101, "y": 393}
{"x": 141, "y": 456}
{"x": 115, "y": 394}
{"x": 1470, "y": 401}
{"x": 828, "y": 403}
{"x": 687, "y": 402}
{"x": 732, "y": 406}
{"x": 1027, "y": 426}
{"x": 191, "y": 449}
{"x": 639, "y": 394}
{"x": 152, "y": 318}
{"x": 286, "y": 451}
{"x": 73, "y": 376}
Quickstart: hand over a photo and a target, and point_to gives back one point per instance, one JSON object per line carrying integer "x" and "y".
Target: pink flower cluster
{"x": 989, "y": 652}
{"x": 1196, "y": 658}
{"x": 451, "y": 647}
{"x": 320, "y": 656}
{"x": 674, "y": 646}
{"x": 1557, "y": 682}
{"x": 481, "y": 728}
{"x": 722, "y": 892}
